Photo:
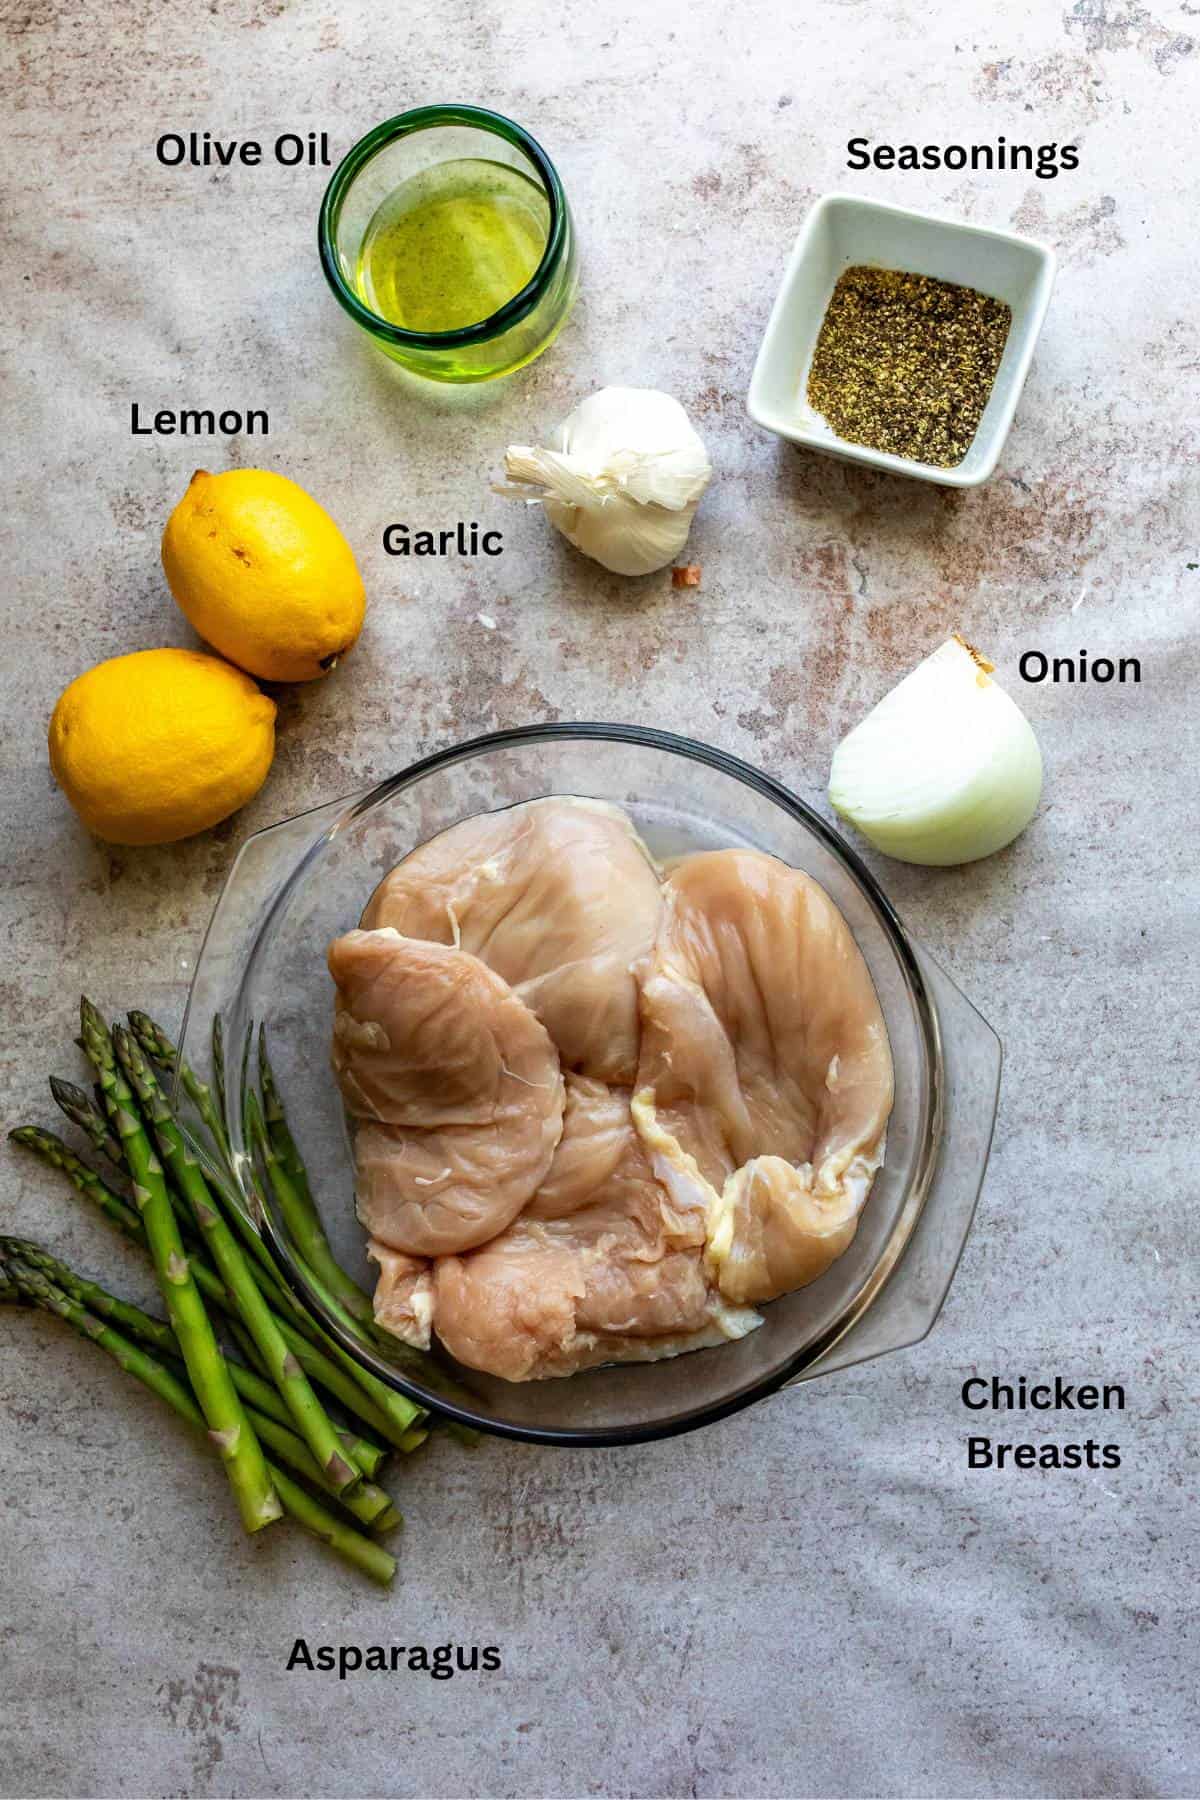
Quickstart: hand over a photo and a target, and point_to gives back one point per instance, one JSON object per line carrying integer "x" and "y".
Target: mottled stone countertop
{"x": 817, "y": 1597}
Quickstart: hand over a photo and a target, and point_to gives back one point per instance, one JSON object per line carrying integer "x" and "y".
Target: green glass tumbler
{"x": 394, "y": 153}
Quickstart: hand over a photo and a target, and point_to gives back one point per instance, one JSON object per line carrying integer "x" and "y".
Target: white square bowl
{"x": 842, "y": 231}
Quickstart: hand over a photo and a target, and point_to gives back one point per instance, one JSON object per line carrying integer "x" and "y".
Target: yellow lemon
{"x": 264, "y": 574}
{"x": 156, "y": 746}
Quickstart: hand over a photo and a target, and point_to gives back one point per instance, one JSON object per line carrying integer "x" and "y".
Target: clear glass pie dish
{"x": 299, "y": 884}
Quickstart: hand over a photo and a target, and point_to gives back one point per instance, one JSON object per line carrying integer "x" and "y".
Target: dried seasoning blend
{"x": 905, "y": 363}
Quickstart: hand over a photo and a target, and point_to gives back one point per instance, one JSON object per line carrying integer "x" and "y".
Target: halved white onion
{"x": 946, "y": 768}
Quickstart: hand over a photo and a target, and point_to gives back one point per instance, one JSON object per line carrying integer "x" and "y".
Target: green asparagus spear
{"x": 324, "y": 1360}
{"x": 391, "y": 1414}
{"x": 254, "y": 1390}
{"x": 320, "y": 1358}
{"x": 245, "y": 1343}
{"x": 245, "y": 1464}
{"x": 263, "y": 1398}
{"x": 10, "y": 1293}
{"x": 369, "y": 1504}
{"x": 134, "y": 1360}
{"x": 217, "y": 1052}
{"x": 270, "y": 1418}
{"x": 308, "y": 1415}
{"x": 357, "y": 1549}
{"x": 370, "y": 1557}
{"x": 157, "y": 1045}
{"x": 79, "y": 1109}
{"x": 52, "y": 1150}
{"x": 93, "y": 1186}
{"x": 296, "y": 1202}
{"x": 379, "y": 1408}
{"x": 138, "y": 1324}
{"x": 316, "y": 1364}
{"x": 123, "y": 1314}
{"x": 368, "y": 1457}
{"x": 284, "y": 1187}
{"x": 402, "y": 1413}
{"x": 341, "y": 1378}
{"x": 278, "y": 1128}
{"x": 361, "y": 1451}
{"x": 344, "y": 1380}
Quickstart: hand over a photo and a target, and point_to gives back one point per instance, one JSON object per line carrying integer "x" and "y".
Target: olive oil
{"x": 452, "y": 244}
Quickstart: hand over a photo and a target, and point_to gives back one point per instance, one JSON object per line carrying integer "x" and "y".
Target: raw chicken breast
{"x": 560, "y": 898}
{"x": 403, "y": 1298}
{"x": 603, "y": 1266}
{"x": 539, "y": 1224}
{"x": 455, "y": 1085}
{"x": 765, "y": 1080}
{"x": 596, "y": 1135}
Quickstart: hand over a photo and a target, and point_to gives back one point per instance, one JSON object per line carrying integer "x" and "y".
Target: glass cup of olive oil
{"x": 446, "y": 235}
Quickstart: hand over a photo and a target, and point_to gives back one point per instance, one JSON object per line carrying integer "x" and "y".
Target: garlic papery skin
{"x": 946, "y": 769}
{"x": 625, "y": 480}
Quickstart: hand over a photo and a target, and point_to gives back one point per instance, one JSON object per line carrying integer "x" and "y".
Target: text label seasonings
{"x": 905, "y": 363}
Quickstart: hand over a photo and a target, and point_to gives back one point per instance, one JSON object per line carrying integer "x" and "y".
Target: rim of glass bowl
{"x": 403, "y": 125}
{"x": 926, "y": 1013}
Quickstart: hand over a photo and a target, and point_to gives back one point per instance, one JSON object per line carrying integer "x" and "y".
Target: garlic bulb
{"x": 624, "y": 484}
{"x": 946, "y": 769}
